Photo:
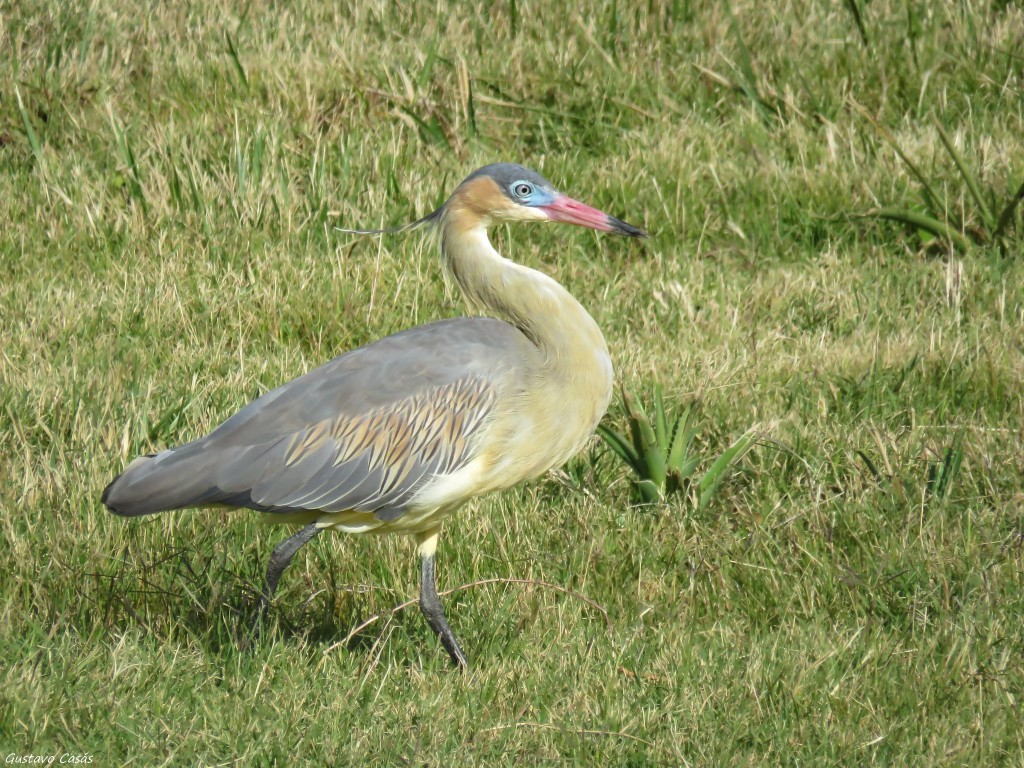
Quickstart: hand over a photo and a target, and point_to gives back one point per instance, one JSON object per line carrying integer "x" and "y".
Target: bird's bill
{"x": 570, "y": 211}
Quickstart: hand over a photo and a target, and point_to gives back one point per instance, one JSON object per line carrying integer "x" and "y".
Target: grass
{"x": 170, "y": 178}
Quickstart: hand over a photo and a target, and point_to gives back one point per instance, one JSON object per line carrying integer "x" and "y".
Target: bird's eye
{"x": 522, "y": 189}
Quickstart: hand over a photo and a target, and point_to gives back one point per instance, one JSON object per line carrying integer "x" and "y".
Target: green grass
{"x": 170, "y": 180}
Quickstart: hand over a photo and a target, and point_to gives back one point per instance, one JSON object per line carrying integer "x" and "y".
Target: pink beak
{"x": 571, "y": 211}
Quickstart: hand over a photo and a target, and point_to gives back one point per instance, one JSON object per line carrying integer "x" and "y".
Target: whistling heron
{"x": 397, "y": 435}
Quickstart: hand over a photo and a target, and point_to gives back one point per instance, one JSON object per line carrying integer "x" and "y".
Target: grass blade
{"x": 427, "y": 70}
{"x": 33, "y": 139}
{"x": 869, "y": 464}
{"x": 1007, "y": 215}
{"x": 239, "y": 69}
{"x": 430, "y": 132}
{"x": 748, "y": 80}
{"x": 922, "y": 221}
{"x": 241, "y": 174}
{"x": 972, "y": 184}
{"x": 859, "y": 21}
{"x": 942, "y": 474}
{"x": 124, "y": 147}
{"x": 951, "y": 465}
{"x": 174, "y": 182}
{"x": 198, "y": 205}
{"x": 470, "y": 106}
{"x": 931, "y": 198}
{"x": 713, "y": 478}
{"x": 259, "y": 150}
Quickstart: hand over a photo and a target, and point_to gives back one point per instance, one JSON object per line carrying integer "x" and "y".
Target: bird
{"x": 397, "y": 435}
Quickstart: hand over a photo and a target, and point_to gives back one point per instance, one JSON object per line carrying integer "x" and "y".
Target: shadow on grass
{"x": 213, "y": 600}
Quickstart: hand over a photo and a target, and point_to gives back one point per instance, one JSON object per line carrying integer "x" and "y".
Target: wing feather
{"x": 275, "y": 487}
{"x": 364, "y": 432}
{"x": 379, "y": 460}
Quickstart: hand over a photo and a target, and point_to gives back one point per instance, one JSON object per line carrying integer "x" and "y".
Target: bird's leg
{"x": 279, "y": 560}
{"x": 430, "y": 603}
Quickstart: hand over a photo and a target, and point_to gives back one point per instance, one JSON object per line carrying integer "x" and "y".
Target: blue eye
{"x": 522, "y": 189}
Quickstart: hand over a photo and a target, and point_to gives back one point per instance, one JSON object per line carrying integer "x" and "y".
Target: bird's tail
{"x": 159, "y": 482}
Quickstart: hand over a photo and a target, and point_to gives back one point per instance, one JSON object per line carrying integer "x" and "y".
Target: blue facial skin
{"x": 528, "y": 193}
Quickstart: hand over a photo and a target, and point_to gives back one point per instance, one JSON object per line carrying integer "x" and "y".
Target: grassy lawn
{"x": 171, "y": 176}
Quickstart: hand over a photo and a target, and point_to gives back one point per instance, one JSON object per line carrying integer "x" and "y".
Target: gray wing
{"x": 363, "y": 432}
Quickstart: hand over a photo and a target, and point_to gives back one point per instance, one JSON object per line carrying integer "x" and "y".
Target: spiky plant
{"x": 660, "y": 451}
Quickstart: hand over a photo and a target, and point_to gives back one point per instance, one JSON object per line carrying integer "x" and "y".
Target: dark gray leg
{"x": 431, "y": 606}
{"x": 279, "y": 560}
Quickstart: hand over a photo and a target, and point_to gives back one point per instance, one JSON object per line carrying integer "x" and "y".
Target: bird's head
{"x": 508, "y": 192}
{"x": 505, "y": 192}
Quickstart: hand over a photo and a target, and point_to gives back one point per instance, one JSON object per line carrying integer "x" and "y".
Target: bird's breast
{"x": 549, "y": 420}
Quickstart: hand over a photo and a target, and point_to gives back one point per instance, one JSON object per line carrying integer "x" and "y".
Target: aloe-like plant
{"x": 660, "y": 451}
{"x": 936, "y": 222}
